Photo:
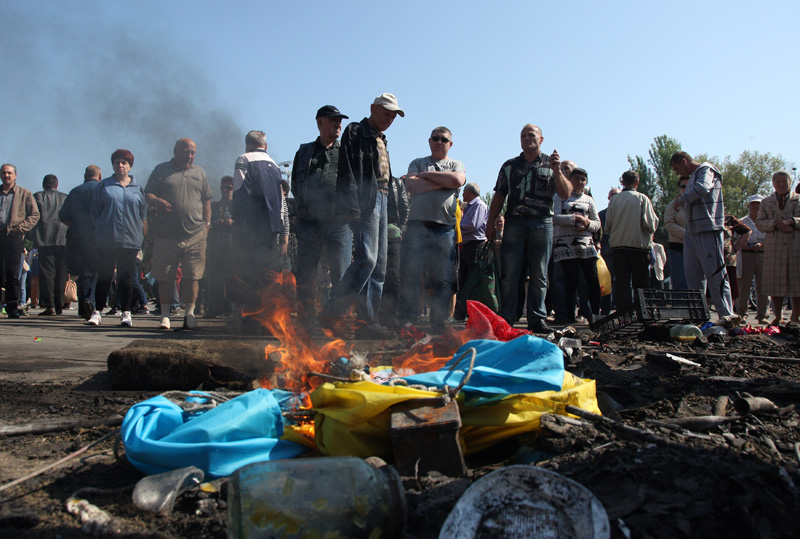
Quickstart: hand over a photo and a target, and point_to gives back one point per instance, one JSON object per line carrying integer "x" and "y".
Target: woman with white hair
{"x": 779, "y": 219}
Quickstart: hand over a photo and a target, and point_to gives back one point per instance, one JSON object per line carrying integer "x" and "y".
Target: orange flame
{"x": 296, "y": 353}
{"x": 431, "y": 354}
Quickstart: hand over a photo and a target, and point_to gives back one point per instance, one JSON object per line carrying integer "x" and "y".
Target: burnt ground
{"x": 733, "y": 479}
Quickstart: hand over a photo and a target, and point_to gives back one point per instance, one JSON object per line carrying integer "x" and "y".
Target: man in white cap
{"x": 752, "y": 263}
{"x": 362, "y": 193}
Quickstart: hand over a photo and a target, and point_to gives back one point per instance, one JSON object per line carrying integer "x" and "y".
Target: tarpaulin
{"x": 159, "y": 437}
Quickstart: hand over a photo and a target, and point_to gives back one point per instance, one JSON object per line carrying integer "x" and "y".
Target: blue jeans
{"x": 677, "y": 276}
{"x": 524, "y": 238}
{"x": 429, "y": 251}
{"x": 367, "y": 271}
{"x": 314, "y": 237}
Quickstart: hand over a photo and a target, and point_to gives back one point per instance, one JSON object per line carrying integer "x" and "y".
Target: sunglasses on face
{"x": 439, "y": 138}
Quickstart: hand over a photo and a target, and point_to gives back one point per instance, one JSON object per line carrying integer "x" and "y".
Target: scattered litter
{"x": 316, "y": 497}
{"x": 526, "y": 501}
{"x": 37, "y": 339}
{"x": 157, "y": 493}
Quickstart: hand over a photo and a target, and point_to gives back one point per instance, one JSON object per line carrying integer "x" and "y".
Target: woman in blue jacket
{"x": 119, "y": 210}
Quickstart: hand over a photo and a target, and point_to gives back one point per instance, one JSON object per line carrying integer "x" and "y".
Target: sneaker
{"x": 95, "y": 319}
{"x": 113, "y": 311}
{"x": 126, "y": 319}
{"x": 142, "y": 310}
{"x": 86, "y": 309}
{"x": 164, "y": 323}
{"x": 189, "y": 322}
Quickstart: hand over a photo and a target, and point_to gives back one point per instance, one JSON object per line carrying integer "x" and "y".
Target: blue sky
{"x": 601, "y": 79}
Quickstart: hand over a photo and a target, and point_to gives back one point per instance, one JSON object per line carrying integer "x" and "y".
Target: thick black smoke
{"x": 76, "y": 93}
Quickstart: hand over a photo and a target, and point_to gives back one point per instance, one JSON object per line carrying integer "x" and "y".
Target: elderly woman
{"x": 779, "y": 219}
{"x": 119, "y": 210}
{"x": 675, "y": 223}
{"x": 575, "y": 220}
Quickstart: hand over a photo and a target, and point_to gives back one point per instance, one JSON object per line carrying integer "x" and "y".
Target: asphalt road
{"x": 64, "y": 348}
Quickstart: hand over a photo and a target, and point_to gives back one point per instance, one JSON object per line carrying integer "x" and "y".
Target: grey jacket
{"x": 703, "y": 198}
{"x": 49, "y": 231}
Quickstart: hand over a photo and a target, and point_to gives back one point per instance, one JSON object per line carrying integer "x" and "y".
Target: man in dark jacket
{"x": 50, "y": 236}
{"x": 315, "y": 173}
{"x": 76, "y": 213}
{"x": 362, "y": 194}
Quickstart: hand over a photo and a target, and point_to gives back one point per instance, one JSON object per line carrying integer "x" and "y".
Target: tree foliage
{"x": 749, "y": 174}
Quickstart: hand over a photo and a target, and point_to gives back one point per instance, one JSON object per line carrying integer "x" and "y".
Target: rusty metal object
{"x": 425, "y": 436}
{"x": 751, "y": 405}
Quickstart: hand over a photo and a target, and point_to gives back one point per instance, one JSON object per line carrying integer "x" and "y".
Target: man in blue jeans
{"x": 362, "y": 190}
{"x": 315, "y": 173}
{"x": 429, "y": 243}
{"x": 528, "y": 182}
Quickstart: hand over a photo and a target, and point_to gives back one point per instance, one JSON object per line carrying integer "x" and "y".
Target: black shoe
{"x": 13, "y": 313}
{"x": 373, "y": 332}
{"x": 49, "y": 311}
{"x": 539, "y": 327}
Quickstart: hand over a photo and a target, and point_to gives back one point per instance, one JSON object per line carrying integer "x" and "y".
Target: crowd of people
{"x": 391, "y": 248}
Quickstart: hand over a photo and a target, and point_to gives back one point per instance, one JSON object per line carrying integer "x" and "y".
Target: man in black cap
{"x": 314, "y": 176}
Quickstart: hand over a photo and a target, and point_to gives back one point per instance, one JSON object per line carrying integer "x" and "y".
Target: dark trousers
{"x": 632, "y": 267}
{"x": 125, "y": 262}
{"x": 572, "y": 270}
{"x": 391, "y": 285}
{"x": 10, "y": 257}
{"x": 466, "y": 266}
{"x": 52, "y": 277}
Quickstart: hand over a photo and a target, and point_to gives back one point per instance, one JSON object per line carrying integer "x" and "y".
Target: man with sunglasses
{"x": 529, "y": 182}
{"x": 429, "y": 242}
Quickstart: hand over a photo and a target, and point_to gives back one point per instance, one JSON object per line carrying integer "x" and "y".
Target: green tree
{"x": 656, "y": 178}
{"x": 750, "y": 174}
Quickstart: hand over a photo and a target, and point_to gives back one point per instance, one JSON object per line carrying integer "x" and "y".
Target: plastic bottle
{"x": 685, "y": 332}
{"x": 316, "y": 497}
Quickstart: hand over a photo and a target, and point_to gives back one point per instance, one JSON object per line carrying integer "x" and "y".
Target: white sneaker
{"x": 126, "y": 319}
{"x": 164, "y": 323}
{"x": 95, "y": 319}
{"x": 189, "y": 321}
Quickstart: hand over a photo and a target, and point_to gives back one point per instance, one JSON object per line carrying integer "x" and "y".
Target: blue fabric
{"x": 159, "y": 437}
{"x": 526, "y": 364}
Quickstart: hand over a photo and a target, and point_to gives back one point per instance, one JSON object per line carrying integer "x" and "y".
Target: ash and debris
{"x": 731, "y": 477}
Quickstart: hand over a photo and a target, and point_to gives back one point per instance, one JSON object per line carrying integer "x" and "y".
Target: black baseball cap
{"x": 330, "y": 111}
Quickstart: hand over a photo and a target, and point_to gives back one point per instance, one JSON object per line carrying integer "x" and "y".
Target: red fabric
{"x": 483, "y": 323}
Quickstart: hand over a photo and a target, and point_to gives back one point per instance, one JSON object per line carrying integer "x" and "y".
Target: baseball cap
{"x": 330, "y": 111}
{"x": 389, "y": 102}
{"x": 755, "y": 198}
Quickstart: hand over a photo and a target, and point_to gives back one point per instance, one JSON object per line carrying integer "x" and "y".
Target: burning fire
{"x": 296, "y": 354}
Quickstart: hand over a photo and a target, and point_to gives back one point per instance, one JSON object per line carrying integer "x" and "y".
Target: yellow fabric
{"x": 604, "y": 276}
{"x": 459, "y": 239}
{"x": 354, "y": 418}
